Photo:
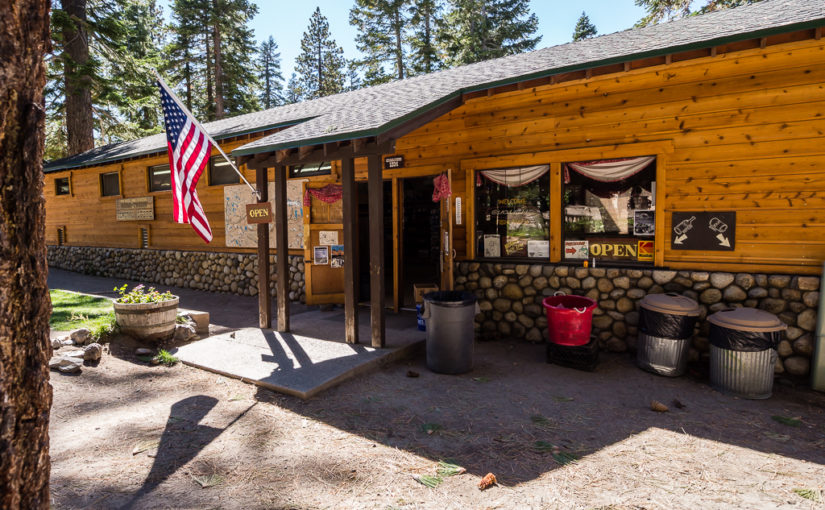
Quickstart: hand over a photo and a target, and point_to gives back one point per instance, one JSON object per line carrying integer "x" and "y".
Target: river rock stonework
{"x": 510, "y": 302}
{"x": 217, "y": 272}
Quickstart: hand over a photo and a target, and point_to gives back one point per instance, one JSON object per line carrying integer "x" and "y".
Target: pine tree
{"x": 354, "y": 81}
{"x": 658, "y": 10}
{"x": 239, "y": 86}
{"x": 584, "y": 28}
{"x": 187, "y": 53}
{"x": 477, "y": 30}
{"x": 320, "y": 65}
{"x": 269, "y": 74}
{"x": 294, "y": 91}
{"x": 424, "y": 20}
{"x": 382, "y": 27}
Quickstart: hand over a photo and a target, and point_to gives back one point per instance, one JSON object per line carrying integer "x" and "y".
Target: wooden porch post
{"x": 264, "y": 299}
{"x": 376, "y": 210}
{"x": 282, "y": 245}
{"x": 350, "y": 251}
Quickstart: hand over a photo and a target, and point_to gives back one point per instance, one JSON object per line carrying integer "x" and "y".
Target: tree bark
{"x": 399, "y": 48}
{"x": 76, "y": 80}
{"x": 216, "y": 44}
{"x": 25, "y": 394}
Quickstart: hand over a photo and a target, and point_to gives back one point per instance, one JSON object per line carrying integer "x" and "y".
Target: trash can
{"x": 666, "y": 323}
{"x": 450, "y": 330}
{"x": 743, "y": 344}
{"x": 569, "y": 319}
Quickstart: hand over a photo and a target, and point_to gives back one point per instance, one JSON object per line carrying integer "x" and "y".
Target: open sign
{"x": 259, "y": 213}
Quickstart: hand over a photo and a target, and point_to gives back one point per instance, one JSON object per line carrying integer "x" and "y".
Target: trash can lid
{"x": 747, "y": 319}
{"x": 670, "y": 303}
{"x": 450, "y": 298}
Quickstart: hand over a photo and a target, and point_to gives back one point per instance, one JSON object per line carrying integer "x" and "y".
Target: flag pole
{"x": 214, "y": 143}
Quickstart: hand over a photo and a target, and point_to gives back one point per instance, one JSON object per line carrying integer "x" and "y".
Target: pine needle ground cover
{"x": 71, "y": 310}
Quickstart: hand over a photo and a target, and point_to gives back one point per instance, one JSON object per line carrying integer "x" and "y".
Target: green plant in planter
{"x": 139, "y": 295}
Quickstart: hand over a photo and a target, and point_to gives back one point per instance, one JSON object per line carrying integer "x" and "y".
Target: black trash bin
{"x": 666, "y": 323}
{"x": 449, "y": 317}
{"x": 743, "y": 343}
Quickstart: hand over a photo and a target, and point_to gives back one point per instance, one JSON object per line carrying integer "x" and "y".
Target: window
{"x": 221, "y": 172}
{"x": 323, "y": 168}
{"x": 61, "y": 186}
{"x": 513, "y": 212}
{"x": 109, "y": 184}
{"x": 160, "y": 178}
{"x": 609, "y": 210}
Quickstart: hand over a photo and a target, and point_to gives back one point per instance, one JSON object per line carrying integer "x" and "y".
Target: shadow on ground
{"x": 517, "y": 417}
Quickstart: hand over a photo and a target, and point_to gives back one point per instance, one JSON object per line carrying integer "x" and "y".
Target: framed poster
{"x": 492, "y": 245}
{"x": 328, "y": 237}
{"x": 644, "y": 222}
{"x": 538, "y": 249}
{"x": 320, "y": 255}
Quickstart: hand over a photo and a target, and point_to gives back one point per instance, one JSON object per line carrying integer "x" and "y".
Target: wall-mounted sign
{"x": 259, "y": 213}
{"x": 645, "y": 251}
{"x": 577, "y": 250}
{"x": 703, "y": 230}
{"x": 614, "y": 249}
{"x": 391, "y": 162}
{"x": 539, "y": 249}
{"x": 328, "y": 237}
{"x": 131, "y": 209}
{"x": 458, "y": 210}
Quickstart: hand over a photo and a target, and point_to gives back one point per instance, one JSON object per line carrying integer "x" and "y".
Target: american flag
{"x": 189, "y": 151}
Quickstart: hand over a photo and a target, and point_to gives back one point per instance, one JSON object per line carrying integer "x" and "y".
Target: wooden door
{"x": 323, "y": 249}
{"x": 447, "y": 249}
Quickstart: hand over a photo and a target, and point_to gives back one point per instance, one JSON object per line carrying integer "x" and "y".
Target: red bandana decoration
{"x": 329, "y": 194}
{"x": 441, "y": 186}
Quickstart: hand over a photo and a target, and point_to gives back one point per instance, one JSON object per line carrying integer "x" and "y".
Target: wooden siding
{"x": 737, "y": 131}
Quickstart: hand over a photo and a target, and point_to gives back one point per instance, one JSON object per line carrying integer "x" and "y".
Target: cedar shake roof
{"x": 375, "y": 110}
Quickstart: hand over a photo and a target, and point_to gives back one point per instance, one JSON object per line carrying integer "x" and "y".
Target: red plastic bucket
{"x": 569, "y": 318}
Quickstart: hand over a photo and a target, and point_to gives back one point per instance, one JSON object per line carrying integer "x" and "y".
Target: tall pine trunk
{"x": 399, "y": 48}
{"x": 428, "y": 63}
{"x": 77, "y": 83}
{"x": 210, "y": 92}
{"x": 216, "y": 44}
{"x": 25, "y": 394}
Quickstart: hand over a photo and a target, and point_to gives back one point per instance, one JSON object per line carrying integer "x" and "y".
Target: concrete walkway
{"x": 312, "y": 357}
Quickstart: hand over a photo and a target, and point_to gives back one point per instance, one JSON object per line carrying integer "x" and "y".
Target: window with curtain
{"x": 513, "y": 212}
{"x": 609, "y": 209}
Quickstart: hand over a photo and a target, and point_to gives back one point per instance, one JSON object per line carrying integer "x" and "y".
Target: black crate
{"x": 580, "y": 357}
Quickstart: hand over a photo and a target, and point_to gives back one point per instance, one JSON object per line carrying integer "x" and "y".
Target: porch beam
{"x": 350, "y": 249}
{"x": 317, "y": 154}
{"x": 264, "y": 273}
{"x": 375, "y": 184}
{"x": 282, "y": 245}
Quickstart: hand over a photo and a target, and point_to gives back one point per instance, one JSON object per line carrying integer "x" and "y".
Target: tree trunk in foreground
{"x": 25, "y": 394}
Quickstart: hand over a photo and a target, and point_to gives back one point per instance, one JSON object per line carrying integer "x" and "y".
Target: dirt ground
{"x": 128, "y": 435}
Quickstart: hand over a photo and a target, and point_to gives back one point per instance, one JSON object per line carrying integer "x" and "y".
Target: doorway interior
{"x": 420, "y": 241}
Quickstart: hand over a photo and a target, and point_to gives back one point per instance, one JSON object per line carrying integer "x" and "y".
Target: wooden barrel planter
{"x": 147, "y": 321}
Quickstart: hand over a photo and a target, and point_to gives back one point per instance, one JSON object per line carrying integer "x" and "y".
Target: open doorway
{"x": 420, "y": 242}
{"x": 364, "y": 241}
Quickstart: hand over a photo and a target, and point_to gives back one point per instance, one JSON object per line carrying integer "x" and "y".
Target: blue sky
{"x": 287, "y": 20}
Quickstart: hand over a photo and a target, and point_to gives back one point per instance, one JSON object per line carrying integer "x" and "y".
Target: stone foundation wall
{"x": 218, "y": 272}
{"x": 510, "y": 298}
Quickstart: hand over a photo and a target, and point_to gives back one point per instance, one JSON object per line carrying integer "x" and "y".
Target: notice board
{"x": 239, "y": 234}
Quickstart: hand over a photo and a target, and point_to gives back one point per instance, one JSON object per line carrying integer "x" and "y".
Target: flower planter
{"x": 147, "y": 321}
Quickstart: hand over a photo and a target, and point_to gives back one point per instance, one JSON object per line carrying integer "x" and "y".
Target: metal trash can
{"x": 666, "y": 323}
{"x": 450, "y": 330}
{"x": 743, "y": 344}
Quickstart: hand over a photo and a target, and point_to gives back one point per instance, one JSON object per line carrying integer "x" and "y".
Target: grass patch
{"x": 784, "y": 420}
{"x": 165, "y": 358}
{"x": 71, "y": 310}
{"x": 810, "y": 494}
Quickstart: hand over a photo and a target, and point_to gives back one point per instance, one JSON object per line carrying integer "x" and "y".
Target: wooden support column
{"x": 282, "y": 244}
{"x": 376, "y": 208}
{"x": 264, "y": 298}
{"x": 350, "y": 249}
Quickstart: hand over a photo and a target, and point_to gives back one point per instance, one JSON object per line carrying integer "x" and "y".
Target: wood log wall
{"x": 739, "y": 131}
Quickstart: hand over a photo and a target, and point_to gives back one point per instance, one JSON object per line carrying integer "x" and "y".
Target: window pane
{"x": 61, "y": 186}
{"x": 610, "y": 220}
{"x": 221, "y": 172}
{"x": 513, "y": 220}
{"x": 324, "y": 168}
{"x": 160, "y": 178}
{"x": 109, "y": 184}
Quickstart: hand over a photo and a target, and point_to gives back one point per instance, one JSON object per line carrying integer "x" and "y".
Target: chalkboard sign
{"x": 702, "y": 230}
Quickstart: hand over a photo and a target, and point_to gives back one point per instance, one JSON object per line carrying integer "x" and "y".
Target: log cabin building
{"x": 683, "y": 157}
